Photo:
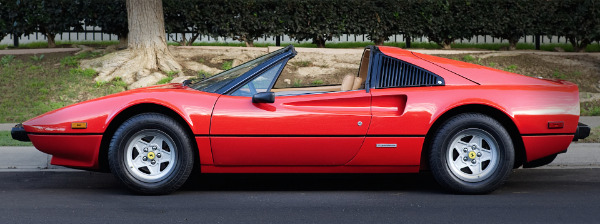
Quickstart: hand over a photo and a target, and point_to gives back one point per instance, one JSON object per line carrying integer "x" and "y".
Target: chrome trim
{"x": 386, "y": 145}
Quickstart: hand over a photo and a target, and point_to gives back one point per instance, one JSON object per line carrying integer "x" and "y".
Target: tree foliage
{"x": 377, "y": 19}
{"x": 381, "y": 19}
{"x": 442, "y": 21}
{"x": 445, "y": 21}
{"x": 15, "y": 19}
{"x": 512, "y": 19}
{"x": 578, "y": 20}
{"x": 110, "y": 16}
{"x": 317, "y": 20}
{"x": 253, "y": 19}
{"x": 180, "y": 18}
{"x": 3, "y": 20}
{"x": 52, "y": 17}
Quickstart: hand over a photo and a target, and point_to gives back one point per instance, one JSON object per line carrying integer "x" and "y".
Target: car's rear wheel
{"x": 151, "y": 154}
{"x": 471, "y": 153}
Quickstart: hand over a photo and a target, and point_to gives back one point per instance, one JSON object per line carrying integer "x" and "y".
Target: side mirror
{"x": 264, "y": 97}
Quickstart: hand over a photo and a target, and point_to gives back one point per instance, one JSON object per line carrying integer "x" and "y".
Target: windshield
{"x": 217, "y": 81}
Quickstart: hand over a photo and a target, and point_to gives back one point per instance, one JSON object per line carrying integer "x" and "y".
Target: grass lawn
{"x": 6, "y": 140}
{"x": 32, "y": 85}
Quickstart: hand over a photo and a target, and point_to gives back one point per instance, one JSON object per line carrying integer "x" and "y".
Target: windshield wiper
{"x": 189, "y": 81}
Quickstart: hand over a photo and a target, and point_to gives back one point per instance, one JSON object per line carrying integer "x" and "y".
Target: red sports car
{"x": 402, "y": 112}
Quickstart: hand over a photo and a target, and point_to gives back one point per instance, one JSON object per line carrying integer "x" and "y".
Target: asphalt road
{"x": 530, "y": 196}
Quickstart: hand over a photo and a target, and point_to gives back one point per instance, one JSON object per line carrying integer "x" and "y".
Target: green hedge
{"x": 442, "y": 21}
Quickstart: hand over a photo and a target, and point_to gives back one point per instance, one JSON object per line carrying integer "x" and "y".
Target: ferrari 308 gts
{"x": 401, "y": 112}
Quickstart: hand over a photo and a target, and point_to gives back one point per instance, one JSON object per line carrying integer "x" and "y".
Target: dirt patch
{"x": 214, "y": 59}
{"x": 305, "y": 69}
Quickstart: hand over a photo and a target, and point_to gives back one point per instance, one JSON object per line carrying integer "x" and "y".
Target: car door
{"x": 316, "y": 129}
{"x": 299, "y": 130}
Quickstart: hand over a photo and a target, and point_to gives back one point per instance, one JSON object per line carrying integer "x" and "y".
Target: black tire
{"x": 162, "y": 137}
{"x": 488, "y": 162}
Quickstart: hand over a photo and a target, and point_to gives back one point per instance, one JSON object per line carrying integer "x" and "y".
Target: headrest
{"x": 348, "y": 82}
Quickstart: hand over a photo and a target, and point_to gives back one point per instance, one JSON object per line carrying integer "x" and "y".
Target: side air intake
{"x": 396, "y": 73}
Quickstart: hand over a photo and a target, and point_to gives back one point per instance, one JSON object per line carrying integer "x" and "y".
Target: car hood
{"x": 98, "y": 113}
{"x": 486, "y": 75}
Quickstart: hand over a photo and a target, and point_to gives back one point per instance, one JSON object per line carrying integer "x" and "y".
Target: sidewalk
{"x": 6, "y": 126}
{"x": 579, "y": 155}
{"x": 25, "y": 159}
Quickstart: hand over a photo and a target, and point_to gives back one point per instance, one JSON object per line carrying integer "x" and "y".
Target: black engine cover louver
{"x": 392, "y": 72}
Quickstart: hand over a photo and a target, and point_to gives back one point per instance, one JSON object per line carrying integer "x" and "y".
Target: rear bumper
{"x": 18, "y": 133}
{"x": 583, "y": 131}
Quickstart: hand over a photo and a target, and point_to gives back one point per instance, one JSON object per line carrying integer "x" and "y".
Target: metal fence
{"x": 95, "y": 34}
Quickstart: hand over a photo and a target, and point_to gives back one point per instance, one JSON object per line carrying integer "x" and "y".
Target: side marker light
{"x": 78, "y": 125}
{"x": 556, "y": 124}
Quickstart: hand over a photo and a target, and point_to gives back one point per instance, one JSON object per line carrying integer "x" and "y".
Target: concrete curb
{"x": 579, "y": 155}
{"x": 6, "y": 126}
{"x": 19, "y": 158}
{"x": 583, "y": 155}
{"x": 592, "y": 121}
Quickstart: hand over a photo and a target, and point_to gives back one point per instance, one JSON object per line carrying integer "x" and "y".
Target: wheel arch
{"x": 130, "y": 112}
{"x": 504, "y": 119}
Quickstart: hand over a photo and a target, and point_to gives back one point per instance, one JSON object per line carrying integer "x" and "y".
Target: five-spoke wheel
{"x": 151, "y": 154}
{"x": 471, "y": 153}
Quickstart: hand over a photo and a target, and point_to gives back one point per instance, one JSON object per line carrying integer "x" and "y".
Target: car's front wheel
{"x": 471, "y": 153}
{"x": 151, "y": 154}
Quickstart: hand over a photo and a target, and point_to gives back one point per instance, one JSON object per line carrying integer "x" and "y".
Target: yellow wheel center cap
{"x": 151, "y": 155}
{"x": 472, "y": 155}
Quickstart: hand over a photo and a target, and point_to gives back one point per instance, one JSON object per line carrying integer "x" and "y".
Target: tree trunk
{"x": 147, "y": 30}
{"x": 249, "y": 43}
{"x": 51, "y": 43}
{"x": 582, "y": 47}
{"x": 446, "y": 44}
{"x": 319, "y": 41}
{"x": 147, "y": 50}
{"x": 194, "y": 37}
{"x": 183, "y": 41}
{"x": 578, "y": 46}
{"x": 379, "y": 41}
{"x": 146, "y": 38}
{"x": 512, "y": 44}
{"x": 122, "y": 41}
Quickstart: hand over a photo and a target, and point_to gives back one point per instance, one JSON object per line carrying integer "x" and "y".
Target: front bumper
{"x": 18, "y": 133}
{"x": 583, "y": 131}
